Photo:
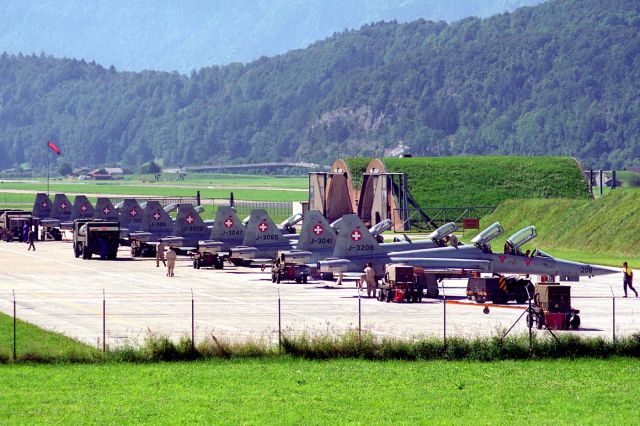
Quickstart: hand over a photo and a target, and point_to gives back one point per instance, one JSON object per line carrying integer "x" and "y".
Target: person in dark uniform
{"x": 627, "y": 280}
{"x": 31, "y": 237}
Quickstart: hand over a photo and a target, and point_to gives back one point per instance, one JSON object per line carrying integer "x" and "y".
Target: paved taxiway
{"x": 58, "y": 292}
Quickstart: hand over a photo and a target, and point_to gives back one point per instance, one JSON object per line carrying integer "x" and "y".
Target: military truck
{"x": 96, "y": 237}
{"x": 12, "y": 223}
{"x": 499, "y": 290}
{"x": 405, "y": 283}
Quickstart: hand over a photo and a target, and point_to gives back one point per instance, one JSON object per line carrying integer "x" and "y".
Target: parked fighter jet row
{"x": 343, "y": 247}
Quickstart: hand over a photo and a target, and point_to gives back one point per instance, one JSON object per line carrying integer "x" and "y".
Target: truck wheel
{"x": 529, "y": 320}
{"x": 521, "y": 296}
{"x": 575, "y": 322}
{"x": 540, "y": 322}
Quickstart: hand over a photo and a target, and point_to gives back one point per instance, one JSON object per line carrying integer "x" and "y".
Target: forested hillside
{"x": 190, "y": 34}
{"x": 560, "y": 78}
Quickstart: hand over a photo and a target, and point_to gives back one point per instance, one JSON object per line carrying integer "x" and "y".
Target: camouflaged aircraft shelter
{"x": 382, "y": 195}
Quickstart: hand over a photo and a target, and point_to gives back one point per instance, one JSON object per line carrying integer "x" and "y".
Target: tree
{"x": 65, "y": 169}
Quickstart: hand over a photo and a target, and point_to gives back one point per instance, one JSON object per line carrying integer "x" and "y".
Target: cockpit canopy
{"x": 522, "y": 237}
{"x": 488, "y": 234}
{"x": 380, "y": 227}
{"x": 291, "y": 220}
{"x": 443, "y": 231}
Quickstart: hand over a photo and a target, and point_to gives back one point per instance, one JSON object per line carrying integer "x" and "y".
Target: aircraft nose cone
{"x": 604, "y": 270}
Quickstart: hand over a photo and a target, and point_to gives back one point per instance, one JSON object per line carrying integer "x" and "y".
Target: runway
{"x": 59, "y": 292}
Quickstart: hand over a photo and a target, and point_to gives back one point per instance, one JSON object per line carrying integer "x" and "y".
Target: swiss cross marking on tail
{"x": 190, "y": 219}
{"x": 133, "y": 212}
{"x": 318, "y": 230}
{"x": 263, "y": 227}
{"x": 356, "y": 235}
{"x": 228, "y": 223}
{"x": 63, "y": 205}
{"x": 44, "y": 204}
{"x": 106, "y": 210}
{"x": 84, "y": 208}
{"x": 156, "y": 215}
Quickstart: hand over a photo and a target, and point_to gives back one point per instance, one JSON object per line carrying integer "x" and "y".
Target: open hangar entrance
{"x": 382, "y": 195}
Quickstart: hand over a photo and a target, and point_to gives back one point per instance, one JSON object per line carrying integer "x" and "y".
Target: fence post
{"x": 359, "y": 318}
{"x": 279, "y": 324}
{"x": 104, "y": 322}
{"x": 444, "y": 313}
{"x": 613, "y": 310}
{"x": 14, "y": 325}
{"x": 193, "y": 323}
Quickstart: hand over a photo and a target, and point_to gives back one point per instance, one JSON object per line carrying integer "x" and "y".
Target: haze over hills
{"x": 191, "y": 34}
{"x": 560, "y": 78}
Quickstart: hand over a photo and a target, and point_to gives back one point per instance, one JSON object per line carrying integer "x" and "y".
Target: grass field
{"x": 257, "y": 194}
{"x": 483, "y": 180}
{"x": 35, "y": 343}
{"x": 606, "y": 230}
{"x": 223, "y": 179}
{"x": 293, "y": 391}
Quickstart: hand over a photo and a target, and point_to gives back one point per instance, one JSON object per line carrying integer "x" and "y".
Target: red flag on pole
{"x": 53, "y": 147}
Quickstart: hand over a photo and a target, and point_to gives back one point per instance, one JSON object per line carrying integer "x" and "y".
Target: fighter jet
{"x": 478, "y": 256}
{"x": 262, "y": 241}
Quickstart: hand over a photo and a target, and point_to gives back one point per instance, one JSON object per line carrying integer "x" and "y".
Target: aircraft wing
{"x": 50, "y": 223}
{"x": 438, "y": 265}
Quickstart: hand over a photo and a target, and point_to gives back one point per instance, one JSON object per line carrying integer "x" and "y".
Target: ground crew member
{"x": 627, "y": 280}
{"x": 171, "y": 261}
{"x": 160, "y": 254}
{"x": 31, "y": 237}
{"x": 370, "y": 277}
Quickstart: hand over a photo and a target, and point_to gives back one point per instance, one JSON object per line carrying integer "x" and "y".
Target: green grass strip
{"x": 295, "y": 391}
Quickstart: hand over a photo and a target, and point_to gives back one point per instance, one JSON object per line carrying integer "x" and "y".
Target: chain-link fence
{"x": 113, "y": 318}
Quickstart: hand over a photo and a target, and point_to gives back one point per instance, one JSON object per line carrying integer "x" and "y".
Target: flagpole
{"x": 47, "y": 171}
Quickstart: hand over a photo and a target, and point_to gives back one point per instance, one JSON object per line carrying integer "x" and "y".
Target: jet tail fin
{"x": 105, "y": 210}
{"x": 316, "y": 233}
{"x": 82, "y": 208}
{"x": 131, "y": 215}
{"x": 354, "y": 239}
{"x": 227, "y": 226}
{"x": 155, "y": 220}
{"x": 41, "y": 206}
{"x": 61, "y": 208}
{"x": 189, "y": 224}
{"x": 261, "y": 230}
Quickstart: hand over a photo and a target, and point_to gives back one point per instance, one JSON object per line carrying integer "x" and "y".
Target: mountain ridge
{"x": 557, "y": 79}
